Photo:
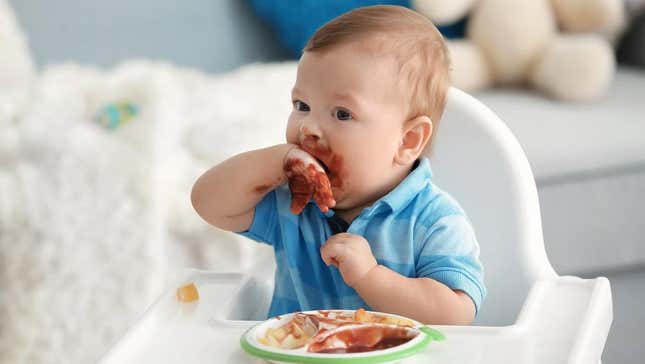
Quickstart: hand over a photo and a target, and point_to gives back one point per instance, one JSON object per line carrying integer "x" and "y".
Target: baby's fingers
{"x": 332, "y": 252}
{"x": 301, "y": 192}
{"x": 322, "y": 192}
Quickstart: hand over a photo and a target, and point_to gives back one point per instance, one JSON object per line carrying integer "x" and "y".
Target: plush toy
{"x": 295, "y": 21}
{"x": 560, "y": 47}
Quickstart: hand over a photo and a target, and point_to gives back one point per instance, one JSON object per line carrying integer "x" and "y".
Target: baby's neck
{"x": 349, "y": 214}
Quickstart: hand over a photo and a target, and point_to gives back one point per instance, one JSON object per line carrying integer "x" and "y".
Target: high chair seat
{"x": 530, "y": 314}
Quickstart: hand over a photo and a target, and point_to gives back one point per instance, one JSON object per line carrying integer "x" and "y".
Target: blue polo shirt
{"x": 417, "y": 230}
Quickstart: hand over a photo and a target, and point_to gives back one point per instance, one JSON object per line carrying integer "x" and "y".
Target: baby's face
{"x": 348, "y": 112}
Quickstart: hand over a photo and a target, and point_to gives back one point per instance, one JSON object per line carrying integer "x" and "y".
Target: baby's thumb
{"x": 332, "y": 253}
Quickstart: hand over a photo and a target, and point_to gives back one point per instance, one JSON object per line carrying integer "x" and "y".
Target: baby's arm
{"x": 422, "y": 299}
{"x": 226, "y": 195}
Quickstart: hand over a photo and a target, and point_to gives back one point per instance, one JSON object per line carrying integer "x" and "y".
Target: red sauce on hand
{"x": 262, "y": 189}
{"x": 305, "y": 183}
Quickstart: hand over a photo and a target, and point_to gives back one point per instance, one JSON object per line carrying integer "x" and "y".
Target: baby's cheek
{"x": 292, "y": 131}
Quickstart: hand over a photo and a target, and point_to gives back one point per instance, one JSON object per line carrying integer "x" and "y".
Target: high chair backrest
{"x": 476, "y": 158}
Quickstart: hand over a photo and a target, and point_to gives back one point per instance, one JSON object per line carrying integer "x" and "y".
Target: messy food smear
{"x": 340, "y": 332}
{"x": 360, "y": 338}
{"x": 332, "y": 162}
{"x": 307, "y": 181}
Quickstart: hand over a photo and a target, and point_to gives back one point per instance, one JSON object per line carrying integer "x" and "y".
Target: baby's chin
{"x": 344, "y": 201}
{"x": 341, "y": 201}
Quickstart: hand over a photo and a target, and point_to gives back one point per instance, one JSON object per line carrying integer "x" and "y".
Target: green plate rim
{"x": 430, "y": 335}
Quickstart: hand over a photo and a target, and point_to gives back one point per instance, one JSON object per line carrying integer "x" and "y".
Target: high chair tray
{"x": 562, "y": 321}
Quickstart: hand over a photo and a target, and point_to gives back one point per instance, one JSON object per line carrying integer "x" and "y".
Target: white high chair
{"x": 531, "y": 315}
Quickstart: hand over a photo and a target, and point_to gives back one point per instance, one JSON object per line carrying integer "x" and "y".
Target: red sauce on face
{"x": 333, "y": 161}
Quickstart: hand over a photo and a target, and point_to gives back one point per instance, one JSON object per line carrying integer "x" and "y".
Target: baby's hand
{"x": 307, "y": 179}
{"x": 351, "y": 254}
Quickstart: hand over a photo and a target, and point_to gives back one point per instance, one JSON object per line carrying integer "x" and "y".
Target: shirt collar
{"x": 415, "y": 181}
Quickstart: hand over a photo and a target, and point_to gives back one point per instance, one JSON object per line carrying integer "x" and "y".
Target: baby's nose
{"x": 309, "y": 133}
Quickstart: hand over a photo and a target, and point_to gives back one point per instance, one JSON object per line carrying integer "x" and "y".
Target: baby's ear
{"x": 414, "y": 137}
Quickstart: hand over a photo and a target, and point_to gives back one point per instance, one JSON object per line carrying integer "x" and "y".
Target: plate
{"x": 255, "y": 340}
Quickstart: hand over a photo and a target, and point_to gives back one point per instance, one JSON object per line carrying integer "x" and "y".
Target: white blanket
{"x": 93, "y": 222}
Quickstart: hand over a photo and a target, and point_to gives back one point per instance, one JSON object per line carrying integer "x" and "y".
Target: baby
{"x": 348, "y": 203}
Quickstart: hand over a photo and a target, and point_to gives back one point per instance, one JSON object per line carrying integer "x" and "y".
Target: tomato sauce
{"x": 306, "y": 182}
{"x": 360, "y": 338}
{"x": 338, "y": 332}
{"x": 333, "y": 162}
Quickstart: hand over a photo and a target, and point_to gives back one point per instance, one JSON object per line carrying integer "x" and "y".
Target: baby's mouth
{"x": 323, "y": 165}
{"x": 332, "y": 164}
{"x": 312, "y": 150}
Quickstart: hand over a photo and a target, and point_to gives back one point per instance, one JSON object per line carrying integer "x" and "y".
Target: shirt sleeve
{"x": 450, "y": 255}
{"x": 265, "y": 227}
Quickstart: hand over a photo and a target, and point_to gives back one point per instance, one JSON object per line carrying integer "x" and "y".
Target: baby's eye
{"x": 300, "y": 106}
{"x": 342, "y": 114}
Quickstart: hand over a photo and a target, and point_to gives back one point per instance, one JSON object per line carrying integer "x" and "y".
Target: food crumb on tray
{"x": 187, "y": 293}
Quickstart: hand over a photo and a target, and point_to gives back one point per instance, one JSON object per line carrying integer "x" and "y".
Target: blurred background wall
{"x": 211, "y": 35}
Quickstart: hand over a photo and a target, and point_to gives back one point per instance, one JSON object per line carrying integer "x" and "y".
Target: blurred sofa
{"x": 589, "y": 164}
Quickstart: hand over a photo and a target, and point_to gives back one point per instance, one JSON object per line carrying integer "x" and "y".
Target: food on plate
{"x": 360, "y": 337}
{"x": 340, "y": 332}
{"x": 187, "y": 293}
{"x": 361, "y": 315}
{"x": 292, "y": 335}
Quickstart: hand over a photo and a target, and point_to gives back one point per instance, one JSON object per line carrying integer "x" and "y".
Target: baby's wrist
{"x": 288, "y": 148}
{"x": 287, "y": 151}
{"x": 365, "y": 278}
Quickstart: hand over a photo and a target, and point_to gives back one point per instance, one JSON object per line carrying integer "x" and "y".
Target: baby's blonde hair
{"x": 416, "y": 43}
